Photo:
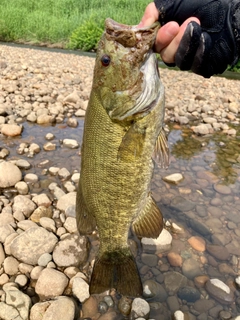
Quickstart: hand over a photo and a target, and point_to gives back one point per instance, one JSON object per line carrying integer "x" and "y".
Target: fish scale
{"x": 122, "y": 132}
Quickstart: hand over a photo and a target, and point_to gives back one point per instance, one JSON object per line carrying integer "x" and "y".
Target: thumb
{"x": 150, "y": 16}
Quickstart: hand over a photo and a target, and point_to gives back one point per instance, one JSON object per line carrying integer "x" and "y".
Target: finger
{"x": 165, "y": 35}
{"x": 168, "y": 52}
{"x": 150, "y": 16}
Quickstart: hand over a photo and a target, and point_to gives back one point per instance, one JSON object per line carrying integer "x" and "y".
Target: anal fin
{"x": 86, "y": 222}
{"x": 161, "y": 154}
{"x": 116, "y": 270}
{"x": 149, "y": 222}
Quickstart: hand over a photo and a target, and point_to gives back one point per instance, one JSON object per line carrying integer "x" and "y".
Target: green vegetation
{"x": 74, "y": 23}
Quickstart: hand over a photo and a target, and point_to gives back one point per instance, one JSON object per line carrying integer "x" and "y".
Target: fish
{"x": 122, "y": 139}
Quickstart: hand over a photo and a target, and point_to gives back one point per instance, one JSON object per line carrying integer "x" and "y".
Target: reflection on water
{"x": 206, "y": 204}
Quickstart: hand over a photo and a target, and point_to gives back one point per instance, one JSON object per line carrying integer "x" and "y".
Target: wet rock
{"x": 63, "y": 173}
{"x": 222, "y": 189}
{"x": 124, "y": 305}
{"x": 153, "y": 290}
{"x": 189, "y": 294}
{"x": 182, "y": 204}
{"x": 140, "y": 308}
{"x": 71, "y": 251}
{"x": 60, "y": 308}
{"x": 201, "y": 129}
{"x": 220, "y": 291}
{"x": 174, "y": 178}
{"x": 11, "y": 130}
{"x": 197, "y": 243}
{"x": 31, "y": 178}
{"x": 174, "y": 259}
{"x": 31, "y": 244}
{"x": 51, "y": 283}
{"x": 173, "y": 281}
{"x": 191, "y": 268}
{"x": 161, "y": 244}
{"x": 70, "y": 143}
{"x": 49, "y": 146}
{"x": 9, "y": 174}
{"x": 219, "y": 252}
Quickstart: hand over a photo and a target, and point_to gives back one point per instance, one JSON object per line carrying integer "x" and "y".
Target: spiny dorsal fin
{"x": 161, "y": 152}
{"x": 149, "y": 222}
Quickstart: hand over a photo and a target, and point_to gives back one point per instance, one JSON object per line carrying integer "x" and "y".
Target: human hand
{"x": 205, "y": 49}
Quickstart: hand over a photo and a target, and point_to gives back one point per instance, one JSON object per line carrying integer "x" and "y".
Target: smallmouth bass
{"x": 122, "y": 135}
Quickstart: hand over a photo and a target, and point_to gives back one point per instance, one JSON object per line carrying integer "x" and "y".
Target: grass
{"x": 55, "y": 20}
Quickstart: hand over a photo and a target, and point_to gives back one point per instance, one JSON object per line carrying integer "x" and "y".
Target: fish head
{"x": 126, "y": 76}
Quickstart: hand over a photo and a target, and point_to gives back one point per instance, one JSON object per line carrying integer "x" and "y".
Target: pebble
{"x": 174, "y": 178}
{"x": 140, "y": 308}
{"x": 10, "y": 174}
{"x": 80, "y": 289}
{"x": 161, "y": 244}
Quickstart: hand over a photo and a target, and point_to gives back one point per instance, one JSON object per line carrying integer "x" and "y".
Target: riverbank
{"x": 35, "y": 81}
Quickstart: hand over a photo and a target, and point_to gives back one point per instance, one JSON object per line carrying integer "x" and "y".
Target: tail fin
{"x": 116, "y": 270}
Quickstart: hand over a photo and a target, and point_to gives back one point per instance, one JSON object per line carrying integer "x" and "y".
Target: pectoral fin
{"x": 161, "y": 152}
{"x": 149, "y": 222}
{"x": 85, "y": 221}
{"x": 132, "y": 143}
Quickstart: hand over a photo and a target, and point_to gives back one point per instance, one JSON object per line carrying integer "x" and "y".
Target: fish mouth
{"x": 130, "y": 36}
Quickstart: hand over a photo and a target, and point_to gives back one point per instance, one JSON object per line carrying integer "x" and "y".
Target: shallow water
{"x": 206, "y": 203}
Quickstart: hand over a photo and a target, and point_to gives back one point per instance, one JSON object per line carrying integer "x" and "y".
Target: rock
{"x": 220, "y": 291}
{"x": 153, "y": 290}
{"x": 9, "y": 174}
{"x": 173, "y": 281}
{"x": 174, "y": 259}
{"x": 70, "y": 225}
{"x": 197, "y": 243}
{"x": 174, "y": 178}
{"x": 11, "y": 130}
{"x": 219, "y": 252}
{"x": 31, "y": 178}
{"x": 66, "y": 200}
{"x": 182, "y": 204}
{"x": 222, "y": 189}
{"x": 64, "y": 174}
{"x": 42, "y": 200}
{"x": 71, "y": 251}
{"x": 22, "y": 187}
{"x": 80, "y": 289}
{"x": 60, "y": 308}
{"x": 31, "y": 244}
{"x": 41, "y": 212}
{"x": 51, "y": 283}
{"x": 140, "y": 308}
{"x": 191, "y": 268}
{"x": 23, "y": 204}
{"x": 161, "y": 244}
{"x": 201, "y": 129}
{"x": 10, "y": 266}
{"x": 8, "y": 312}
{"x": 49, "y": 146}
{"x": 188, "y": 294}
{"x": 17, "y": 299}
{"x": 70, "y": 143}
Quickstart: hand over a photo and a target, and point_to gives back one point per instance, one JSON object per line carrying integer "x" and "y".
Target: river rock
{"x": 31, "y": 244}
{"x": 51, "y": 283}
{"x": 161, "y": 244}
{"x": 191, "y": 268}
{"x": 60, "y": 308}
{"x": 80, "y": 289}
{"x": 9, "y": 174}
{"x": 24, "y": 204}
{"x": 197, "y": 243}
{"x": 173, "y": 281}
{"x": 71, "y": 251}
{"x": 217, "y": 251}
{"x": 220, "y": 291}
{"x": 140, "y": 308}
{"x": 66, "y": 200}
{"x": 174, "y": 178}
{"x": 11, "y": 130}
{"x": 70, "y": 143}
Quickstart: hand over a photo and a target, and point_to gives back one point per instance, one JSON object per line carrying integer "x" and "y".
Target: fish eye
{"x": 105, "y": 60}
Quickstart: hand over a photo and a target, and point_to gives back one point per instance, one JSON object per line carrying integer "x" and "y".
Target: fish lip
{"x": 112, "y": 24}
